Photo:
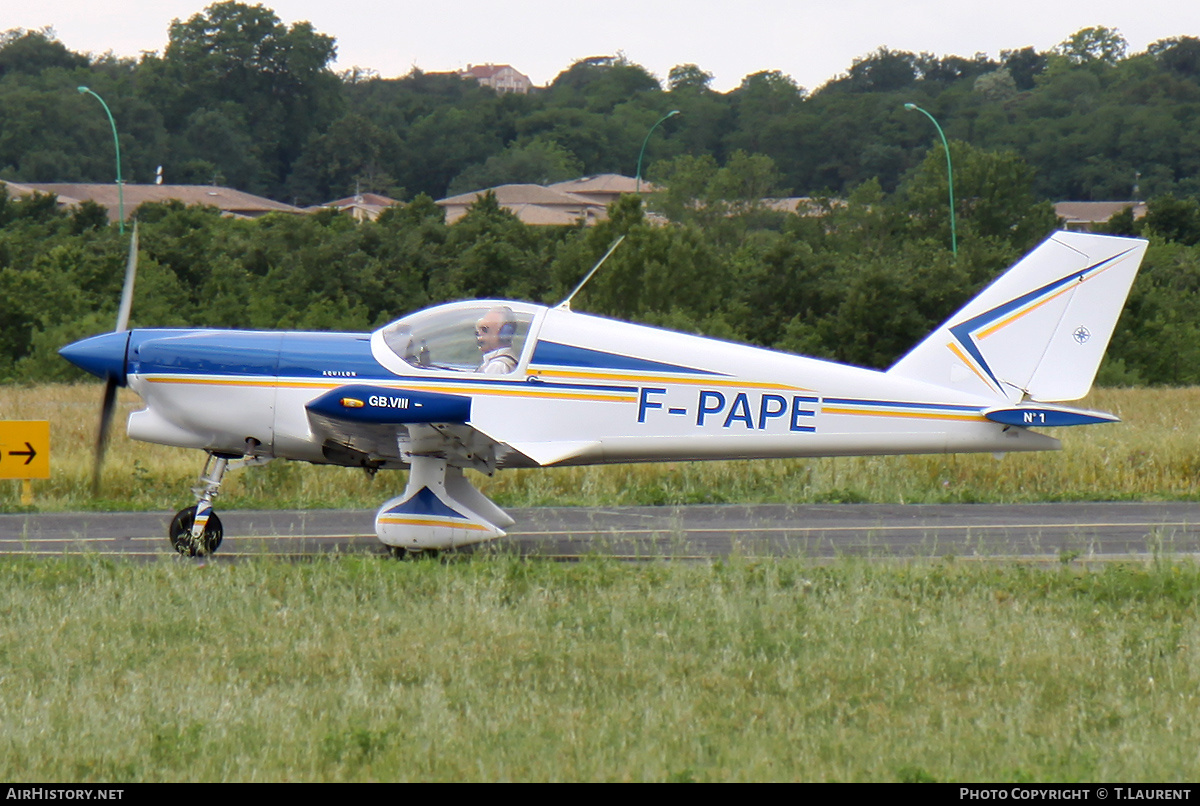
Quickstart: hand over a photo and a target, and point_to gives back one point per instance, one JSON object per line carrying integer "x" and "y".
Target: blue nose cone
{"x": 103, "y": 355}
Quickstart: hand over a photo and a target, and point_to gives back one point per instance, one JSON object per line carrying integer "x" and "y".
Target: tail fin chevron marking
{"x": 1026, "y": 337}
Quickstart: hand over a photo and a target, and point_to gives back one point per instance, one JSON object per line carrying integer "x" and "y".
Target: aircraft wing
{"x": 349, "y": 442}
{"x": 361, "y": 424}
{"x": 543, "y": 454}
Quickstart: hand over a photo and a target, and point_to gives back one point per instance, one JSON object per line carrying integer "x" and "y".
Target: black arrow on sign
{"x": 29, "y": 454}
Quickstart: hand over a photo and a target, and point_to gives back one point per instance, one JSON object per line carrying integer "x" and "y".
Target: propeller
{"x": 109, "y": 404}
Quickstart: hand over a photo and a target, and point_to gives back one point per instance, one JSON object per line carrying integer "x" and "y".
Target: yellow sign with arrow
{"x": 24, "y": 449}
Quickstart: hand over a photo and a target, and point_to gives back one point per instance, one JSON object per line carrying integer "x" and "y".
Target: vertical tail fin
{"x": 1040, "y": 330}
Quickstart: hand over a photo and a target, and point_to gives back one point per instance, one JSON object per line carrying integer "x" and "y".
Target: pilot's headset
{"x": 508, "y": 328}
{"x": 507, "y": 331}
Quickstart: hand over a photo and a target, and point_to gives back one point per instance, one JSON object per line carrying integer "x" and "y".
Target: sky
{"x": 813, "y": 41}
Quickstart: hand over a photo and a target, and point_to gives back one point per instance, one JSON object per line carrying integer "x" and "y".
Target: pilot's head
{"x": 495, "y": 329}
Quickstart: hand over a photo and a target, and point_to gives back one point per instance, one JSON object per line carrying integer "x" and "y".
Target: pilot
{"x": 494, "y": 334}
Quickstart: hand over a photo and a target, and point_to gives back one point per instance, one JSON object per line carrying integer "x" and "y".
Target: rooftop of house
{"x": 367, "y": 206}
{"x": 604, "y": 184}
{"x": 522, "y": 194}
{"x": 227, "y": 200}
{"x": 1095, "y": 212}
{"x": 362, "y": 198}
{"x": 486, "y": 70}
{"x": 533, "y": 204}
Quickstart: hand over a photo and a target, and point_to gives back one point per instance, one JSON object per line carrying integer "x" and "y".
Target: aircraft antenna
{"x": 565, "y": 305}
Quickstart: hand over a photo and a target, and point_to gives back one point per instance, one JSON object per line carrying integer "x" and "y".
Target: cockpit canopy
{"x": 457, "y": 336}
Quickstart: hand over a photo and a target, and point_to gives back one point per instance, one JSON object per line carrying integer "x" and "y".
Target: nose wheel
{"x": 197, "y": 530}
{"x": 187, "y": 543}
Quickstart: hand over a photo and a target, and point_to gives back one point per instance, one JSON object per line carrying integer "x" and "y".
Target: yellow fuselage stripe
{"x": 401, "y": 520}
{"x": 920, "y": 415}
{"x": 554, "y": 394}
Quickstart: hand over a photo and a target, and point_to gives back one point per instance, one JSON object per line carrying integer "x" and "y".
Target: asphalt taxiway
{"x": 1083, "y": 531}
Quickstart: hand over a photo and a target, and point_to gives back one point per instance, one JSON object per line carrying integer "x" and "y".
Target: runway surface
{"x": 1086, "y": 531}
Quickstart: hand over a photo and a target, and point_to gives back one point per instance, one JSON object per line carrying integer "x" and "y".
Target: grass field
{"x": 1154, "y": 454}
{"x": 498, "y": 668}
{"x": 503, "y": 669}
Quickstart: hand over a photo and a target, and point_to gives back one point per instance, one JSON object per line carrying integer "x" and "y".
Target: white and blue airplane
{"x": 486, "y": 384}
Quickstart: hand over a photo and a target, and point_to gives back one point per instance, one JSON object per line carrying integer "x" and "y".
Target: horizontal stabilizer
{"x": 1040, "y": 330}
{"x": 1034, "y": 416}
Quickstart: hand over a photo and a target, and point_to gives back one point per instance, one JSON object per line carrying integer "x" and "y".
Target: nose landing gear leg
{"x": 196, "y": 530}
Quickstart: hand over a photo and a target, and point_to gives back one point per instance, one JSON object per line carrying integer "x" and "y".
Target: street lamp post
{"x": 117, "y": 146}
{"x": 949, "y": 175}
{"x": 642, "y": 153}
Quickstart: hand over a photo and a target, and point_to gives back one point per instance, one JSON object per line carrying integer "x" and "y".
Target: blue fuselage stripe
{"x": 850, "y": 401}
{"x": 549, "y": 353}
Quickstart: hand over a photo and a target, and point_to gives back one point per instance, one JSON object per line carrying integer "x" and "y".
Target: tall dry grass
{"x": 1153, "y": 454}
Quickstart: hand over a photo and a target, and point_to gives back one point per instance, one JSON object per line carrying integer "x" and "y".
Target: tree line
{"x": 860, "y": 279}
{"x": 238, "y": 98}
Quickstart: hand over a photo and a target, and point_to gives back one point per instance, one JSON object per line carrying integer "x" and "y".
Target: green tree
{"x": 599, "y": 84}
{"x": 1180, "y": 55}
{"x": 497, "y": 256}
{"x": 1096, "y": 44}
{"x": 216, "y": 146}
{"x": 688, "y": 78}
{"x": 993, "y": 193}
{"x": 1023, "y": 65}
{"x": 766, "y": 107}
{"x": 883, "y": 70}
{"x": 997, "y": 85}
{"x": 697, "y": 189}
{"x": 1157, "y": 339}
{"x": 352, "y": 155}
{"x": 278, "y": 76}
{"x": 706, "y": 118}
{"x": 887, "y": 302}
{"x": 537, "y": 161}
{"x": 32, "y": 52}
{"x": 1174, "y": 219}
{"x": 949, "y": 69}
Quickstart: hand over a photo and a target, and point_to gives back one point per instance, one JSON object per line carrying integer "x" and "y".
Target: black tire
{"x": 180, "y": 533}
{"x": 401, "y": 553}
